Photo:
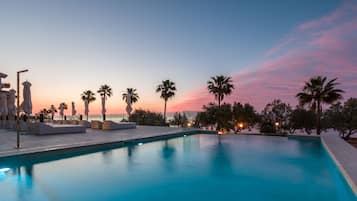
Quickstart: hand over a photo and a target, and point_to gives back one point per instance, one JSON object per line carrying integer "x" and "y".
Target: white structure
{"x": 2, "y": 76}
{"x": 11, "y": 103}
{"x": 74, "y": 111}
{"x": 26, "y": 105}
{"x": 3, "y": 102}
{"x": 61, "y": 109}
{"x": 53, "y": 111}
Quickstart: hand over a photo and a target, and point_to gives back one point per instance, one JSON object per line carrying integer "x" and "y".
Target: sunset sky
{"x": 269, "y": 48}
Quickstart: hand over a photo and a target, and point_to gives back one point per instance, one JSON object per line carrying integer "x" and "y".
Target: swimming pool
{"x": 197, "y": 167}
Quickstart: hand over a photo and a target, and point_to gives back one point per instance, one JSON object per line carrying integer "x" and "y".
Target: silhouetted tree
{"x": 317, "y": 91}
{"x": 167, "y": 89}
{"x": 105, "y": 92}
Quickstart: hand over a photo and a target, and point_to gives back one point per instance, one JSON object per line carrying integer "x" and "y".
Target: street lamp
{"x": 18, "y": 108}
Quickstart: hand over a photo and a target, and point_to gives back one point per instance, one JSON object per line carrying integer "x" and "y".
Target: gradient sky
{"x": 269, "y": 48}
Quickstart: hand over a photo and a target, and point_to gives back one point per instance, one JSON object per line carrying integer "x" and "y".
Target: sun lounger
{"x": 84, "y": 123}
{"x": 47, "y": 129}
{"x": 74, "y": 122}
{"x": 110, "y": 125}
{"x": 96, "y": 124}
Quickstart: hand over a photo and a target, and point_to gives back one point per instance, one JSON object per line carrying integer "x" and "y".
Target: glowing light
{"x": 4, "y": 170}
{"x": 140, "y": 143}
{"x": 220, "y": 132}
{"x": 189, "y": 124}
{"x": 276, "y": 123}
{"x": 184, "y": 135}
{"x": 240, "y": 125}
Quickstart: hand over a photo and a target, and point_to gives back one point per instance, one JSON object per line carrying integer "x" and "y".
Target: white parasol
{"x": 26, "y": 105}
{"x": 3, "y": 104}
{"x": 74, "y": 111}
{"x": 53, "y": 111}
{"x": 61, "y": 108}
{"x": 11, "y": 103}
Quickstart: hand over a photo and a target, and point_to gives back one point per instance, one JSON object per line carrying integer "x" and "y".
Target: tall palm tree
{"x": 167, "y": 89}
{"x": 220, "y": 86}
{"x": 134, "y": 97}
{"x": 89, "y": 96}
{"x": 105, "y": 92}
{"x": 317, "y": 91}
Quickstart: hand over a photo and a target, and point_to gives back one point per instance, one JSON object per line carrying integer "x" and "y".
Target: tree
{"x": 105, "y": 92}
{"x": 343, "y": 118}
{"x": 45, "y": 112}
{"x": 142, "y": 117}
{"x": 318, "y": 91}
{"x": 302, "y": 119}
{"x": 220, "y": 86}
{"x": 213, "y": 116}
{"x": 275, "y": 117}
{"x": 89, "y": 96}
{"x": 244, "y": 114}
{"x": 132, "y": 94}
{"x": 179, "y": 120}
{"x": 167, "y": 89}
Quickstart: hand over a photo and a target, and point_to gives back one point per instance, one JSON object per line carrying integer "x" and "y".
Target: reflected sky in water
{"x": 199, "y": 167}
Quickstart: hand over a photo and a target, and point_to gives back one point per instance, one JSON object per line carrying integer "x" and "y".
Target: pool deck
{"x": 345, "y": 157}
{"x": 35, "y": 143}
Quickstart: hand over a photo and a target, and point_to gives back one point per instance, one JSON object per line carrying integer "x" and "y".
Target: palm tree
{"x": 134, "y": 97}
{"x": 105, "y": 92}
{"x": 89, "y": 96}
{"x": 167, "y": 89}
{"x": 220, "y": 86}
{"x": 317, "y": 91}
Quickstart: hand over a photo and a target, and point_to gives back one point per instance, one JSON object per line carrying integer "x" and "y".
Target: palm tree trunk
{"x": 165, "y": 111}
{"x": 318, "y": 123}
{"x": 104, "y": 113}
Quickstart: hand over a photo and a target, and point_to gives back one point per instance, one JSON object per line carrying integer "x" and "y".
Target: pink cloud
{"x": 326, "y": 46}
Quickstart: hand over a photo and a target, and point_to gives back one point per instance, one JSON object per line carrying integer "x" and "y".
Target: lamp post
{"x": 18, "y": 108}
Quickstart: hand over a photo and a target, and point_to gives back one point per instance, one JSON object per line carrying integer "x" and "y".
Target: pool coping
{"x": 91, "y": 144}
{"x": 344, "y": 156}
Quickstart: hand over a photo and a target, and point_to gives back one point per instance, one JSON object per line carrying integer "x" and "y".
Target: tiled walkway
{"x": 34, "y": 143}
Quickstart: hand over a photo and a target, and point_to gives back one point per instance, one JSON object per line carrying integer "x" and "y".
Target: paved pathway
{"x": 344, "y": 155}
{"x": 35, "y": 143}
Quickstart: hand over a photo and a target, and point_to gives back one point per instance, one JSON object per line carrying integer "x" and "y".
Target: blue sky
{"x": 70, "y": 46}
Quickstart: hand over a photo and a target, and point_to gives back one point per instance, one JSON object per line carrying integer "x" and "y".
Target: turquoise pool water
{"x": 198, "y": 167}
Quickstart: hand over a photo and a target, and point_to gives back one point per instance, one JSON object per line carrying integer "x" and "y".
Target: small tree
{"x": 142, "y": 117}
{"x": 275, "y": 115}
{"x": 179, "y": 120}
{"x": 244, "y": 114}
{"x": 301, "y": 119}
{"x": 215, "y": 116}
{"x": 343, "y": 118}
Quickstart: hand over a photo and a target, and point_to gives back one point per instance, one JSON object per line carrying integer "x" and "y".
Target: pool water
{"x": 198, "y": 167}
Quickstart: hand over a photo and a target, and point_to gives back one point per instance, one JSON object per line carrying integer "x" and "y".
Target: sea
{"x": 119, "y": 117}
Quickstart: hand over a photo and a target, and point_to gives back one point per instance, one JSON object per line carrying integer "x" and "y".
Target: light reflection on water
{"x": 200, "y": 167}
